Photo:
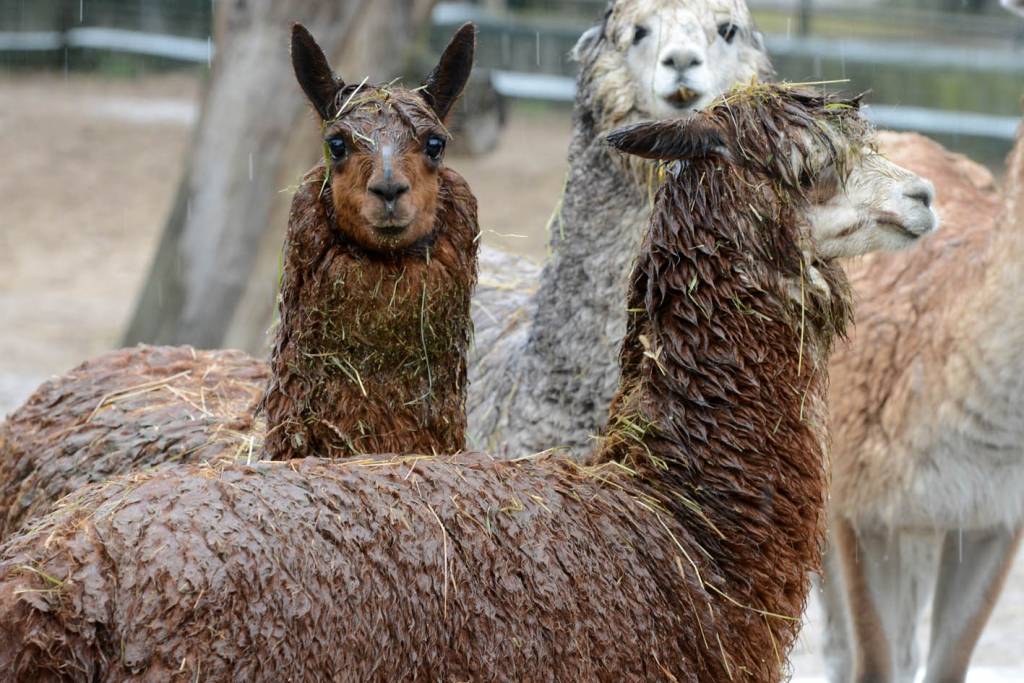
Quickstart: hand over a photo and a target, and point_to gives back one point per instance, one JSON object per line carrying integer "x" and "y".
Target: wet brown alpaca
{"x": 379, "y": 266}
{"x": 682, "y": 554}
{"x": 380, "y": 263}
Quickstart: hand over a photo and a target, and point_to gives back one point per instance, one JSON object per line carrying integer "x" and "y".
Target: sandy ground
{"x": 90, "y": 169}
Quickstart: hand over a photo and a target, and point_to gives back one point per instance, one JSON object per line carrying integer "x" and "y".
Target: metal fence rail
{"x": 113, "y": 39}
{"x": 559, "y": 87}
{"x": 932, "y": 121}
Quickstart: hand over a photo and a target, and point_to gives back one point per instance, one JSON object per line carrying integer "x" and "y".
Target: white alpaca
{"x": 928, "y": 434}
{"x": 928, "y": 481}
{"x": 545, "y": 369}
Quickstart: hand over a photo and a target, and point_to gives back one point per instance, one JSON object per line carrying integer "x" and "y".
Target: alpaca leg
{"x": 884, "y": 574}
{"x": 872, "y": 658}
{"x": 972, "y": 570}
{"x": 836, "y": 646}
{"x": 916, "y": 581}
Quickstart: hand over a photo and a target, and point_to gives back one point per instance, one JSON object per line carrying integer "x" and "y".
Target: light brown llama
{"x": 928, "y": 425}
{"x": 682, "y": 553}
{"x": 379, "y": 267}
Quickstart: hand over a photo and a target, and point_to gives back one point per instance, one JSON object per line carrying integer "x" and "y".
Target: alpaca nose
{"x": 389, "y": 192}
{"x": 920, "y": 190}
{"x": 681, "y": 59}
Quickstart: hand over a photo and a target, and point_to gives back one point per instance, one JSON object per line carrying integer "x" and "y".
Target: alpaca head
{"x": 667, "y": 58}
{"x": 807, "y": 161}
{"x": 1016, "y": 6}
{"x": 384, "y": 145}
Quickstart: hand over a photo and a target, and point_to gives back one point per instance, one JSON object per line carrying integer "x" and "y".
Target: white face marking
{"x": 881, "y": 206}
{"x": 387, "y": 158}
{"x": 681, "y": 55}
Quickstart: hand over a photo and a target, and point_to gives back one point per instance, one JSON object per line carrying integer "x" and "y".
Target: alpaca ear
{"x": 757, "y": 38}
{"x": 672, "y": 140}
{"x": 313, "y": 72}
{"x": 446, "y": 81}
{"x": 591, "y": 37}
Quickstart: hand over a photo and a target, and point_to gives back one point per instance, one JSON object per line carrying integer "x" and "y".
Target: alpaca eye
{"x": 639, "y": 33}
{"x": 435, "y": 147}
{"x": 728, "y": 31}
{"x": 337, "y": 148}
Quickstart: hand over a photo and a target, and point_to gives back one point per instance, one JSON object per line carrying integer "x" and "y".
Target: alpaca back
{"x": 482, "y": 569}
{"x": 127, "y": 410}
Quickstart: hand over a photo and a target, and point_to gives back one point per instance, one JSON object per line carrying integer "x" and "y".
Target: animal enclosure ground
{"x": 90, "y": 169}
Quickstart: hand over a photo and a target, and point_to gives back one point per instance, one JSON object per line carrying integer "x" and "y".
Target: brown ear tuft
{"x": 313, "y": 72}
{"x": 668, "y": 140}
{"x": 445, "y": 83}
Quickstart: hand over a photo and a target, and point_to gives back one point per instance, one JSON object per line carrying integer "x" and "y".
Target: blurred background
{"x": 135, "y": 130}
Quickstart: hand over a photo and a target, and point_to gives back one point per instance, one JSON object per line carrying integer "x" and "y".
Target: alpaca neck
{"x": 993, "y": 318}
{"x": 567, "y": 367}
{"x": 721, "y": 408}
{"x": 370, "y": 352}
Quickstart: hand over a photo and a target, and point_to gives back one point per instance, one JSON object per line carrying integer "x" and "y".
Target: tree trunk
{"x": 215, "y": 268}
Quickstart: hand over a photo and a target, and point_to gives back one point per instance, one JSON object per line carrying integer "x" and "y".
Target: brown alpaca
{"x": 379, "y": 267}
{"x": 928, "y": 421}
{"x": 371, "y": 350}
{"x": 682, "y": 553}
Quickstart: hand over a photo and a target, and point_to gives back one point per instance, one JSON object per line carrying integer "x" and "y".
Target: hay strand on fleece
{"x": 129, "y": 409}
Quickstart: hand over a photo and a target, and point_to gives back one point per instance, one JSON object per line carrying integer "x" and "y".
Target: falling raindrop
{"x": 209, "y": 51}
{"x": 250, "y": 167}
{"x": 81, "y": 11}
{"x": 538, "y": 48}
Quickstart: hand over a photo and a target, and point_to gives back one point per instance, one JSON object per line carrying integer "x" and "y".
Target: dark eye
{"x": 337, "y": 148}
{"x": 810, "y": 178}
{"x": 639, "y": 33}
{"x": 435, "y": 147}
{"x": 728, "y": 31}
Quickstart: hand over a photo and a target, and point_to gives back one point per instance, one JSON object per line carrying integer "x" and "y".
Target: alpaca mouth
{"x": 910, "y": 227}
{"x": 899, "y": 227}
{"x": 683, "y": 97}
{"x": 391, "y": 229}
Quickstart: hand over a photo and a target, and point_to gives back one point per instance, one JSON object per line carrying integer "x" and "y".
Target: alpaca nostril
{"x": 923, "y": 197}
{"x": 681, "y": 61}
{"x": 389, "y": 192}
{"x": 922, "y": 192}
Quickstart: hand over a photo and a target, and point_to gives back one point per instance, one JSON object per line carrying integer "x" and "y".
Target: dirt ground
{"x": 90, "y": 170}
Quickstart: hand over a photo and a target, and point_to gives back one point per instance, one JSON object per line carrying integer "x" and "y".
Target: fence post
{"x": 64, "y": 23}
{"x": 804, "y": 19}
